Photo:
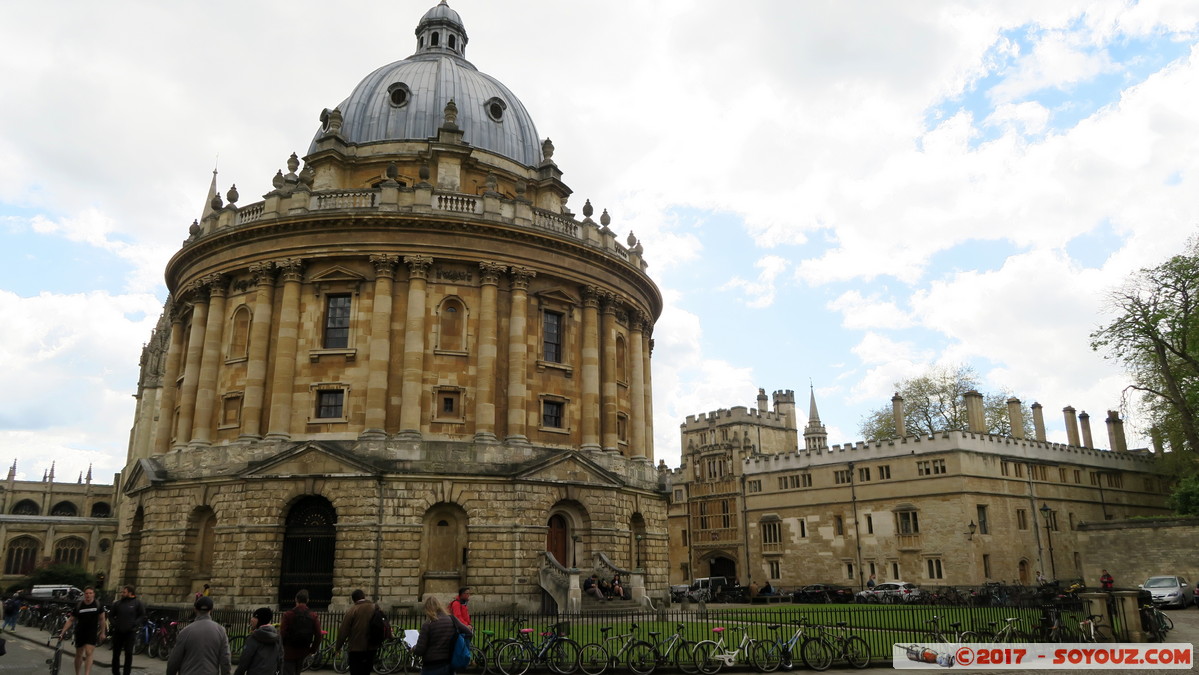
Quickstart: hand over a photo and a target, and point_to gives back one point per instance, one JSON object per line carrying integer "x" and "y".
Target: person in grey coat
{"x": 202, "y": 647}
{"x": 262, "y": 653}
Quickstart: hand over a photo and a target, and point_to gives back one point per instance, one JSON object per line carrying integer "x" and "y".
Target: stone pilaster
{"x": 637, "y": 386}
{"x": 591, "y": 374}
{"x": 414, "y": 346}
{"x": 610, "y": 439}
{"x": 170, "y": 387}
{"x": 259, "y": 351}
{"x": 488, "y": 348}
{"x": 286, "y": 343}
{"x": 206, "y": 394}
{"x": 518, "y": 354}
{"x": 380, "y": 347}
{"x": 646, "y": 353}
{"x": 191, "y": 365}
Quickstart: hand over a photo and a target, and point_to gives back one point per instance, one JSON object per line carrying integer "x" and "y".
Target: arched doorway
{"x": 444, "y": 550}
{"x": 1023, "y": 573}
{"x": 557, "y": 539}
{"x": 721, "y": 566}
{"x": 309, "y": 545}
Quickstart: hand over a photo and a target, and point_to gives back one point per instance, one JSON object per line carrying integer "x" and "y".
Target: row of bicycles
{"x": 155, "y": 637}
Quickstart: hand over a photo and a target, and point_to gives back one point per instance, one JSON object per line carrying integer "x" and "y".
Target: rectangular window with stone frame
{"x": 336, "y": 333}
{"x": 551, "y": 336}
{"x": 330, "y": 404}
{"x": 551, "y": 414}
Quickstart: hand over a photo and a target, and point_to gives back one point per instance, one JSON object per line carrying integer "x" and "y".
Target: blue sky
{"x": 840, "y": 193}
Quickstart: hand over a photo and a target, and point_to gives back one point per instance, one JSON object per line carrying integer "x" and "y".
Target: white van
{"x": 55, "y": 592}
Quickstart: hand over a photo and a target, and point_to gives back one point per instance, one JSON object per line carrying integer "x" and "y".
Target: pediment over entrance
{"x": 145, "y": 472}
{"x": 309, "y": 459}
{"x": 569, "y": 467}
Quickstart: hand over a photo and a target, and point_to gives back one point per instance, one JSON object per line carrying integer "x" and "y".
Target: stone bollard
{"x": 1129, "y": 603}
{"x": 1097, "y": 604}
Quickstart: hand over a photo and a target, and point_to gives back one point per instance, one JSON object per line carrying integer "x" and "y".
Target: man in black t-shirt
{"x": 88, "y": 620}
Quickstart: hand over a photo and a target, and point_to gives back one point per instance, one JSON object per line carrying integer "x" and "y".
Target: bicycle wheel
{"x": 640, "y": 658}
{"x": 971, "y": 636}
{"x": 341, "y": 661}
{"x": 593, "y": 659}
{"x": 684, "y": 657}
{"x": 513, "y": 659}
{"x": 236, "y": 644}
{"x": 933, "y": 637}
{"x": 705, "y": 657}
{"x": 816, "y": 653}
{"x": 562, "y": 657}
{"x": 1165, "y": 621}
{"x": 478, "y": 659}
{"x": 767, "y": 656}
{"x": 152, "y": 648}
{"x": 857, "y": 652}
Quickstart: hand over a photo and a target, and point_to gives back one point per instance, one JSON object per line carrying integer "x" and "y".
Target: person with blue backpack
{"x": 439, "y": 639}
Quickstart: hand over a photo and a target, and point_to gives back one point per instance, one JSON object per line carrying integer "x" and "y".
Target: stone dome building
{"x": 408, "y": 368}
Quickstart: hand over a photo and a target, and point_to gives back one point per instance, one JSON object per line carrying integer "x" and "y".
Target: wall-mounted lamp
{"x": 972, "y": 529}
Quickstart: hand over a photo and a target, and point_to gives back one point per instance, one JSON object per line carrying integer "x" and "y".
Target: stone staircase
{"x": 591, "y": 605}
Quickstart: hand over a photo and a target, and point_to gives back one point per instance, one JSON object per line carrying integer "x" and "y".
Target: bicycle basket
{"x": 562, "y": 628}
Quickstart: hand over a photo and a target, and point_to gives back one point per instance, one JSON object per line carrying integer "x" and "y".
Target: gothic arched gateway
{"x": 309, "y": 545}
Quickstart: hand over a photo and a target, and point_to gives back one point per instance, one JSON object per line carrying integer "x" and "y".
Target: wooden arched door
{"x": 557, "y": 539}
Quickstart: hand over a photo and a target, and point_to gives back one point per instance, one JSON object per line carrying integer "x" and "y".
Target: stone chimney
{"x": 1071, "y": 425}
{"x": 1155, "y": 433}
{"x": 762, "y": 401}
{"x": 1038, "y": 421}
{"x": 1084, "y": 420}
{"x": 1016, "y": 417}
{"x": 1115, "y": 431}
{"x": 897, "y": 412}
{"x": 976, "y": 421}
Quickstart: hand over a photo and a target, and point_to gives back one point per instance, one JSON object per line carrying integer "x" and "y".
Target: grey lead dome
{"x": 406, "y": 100}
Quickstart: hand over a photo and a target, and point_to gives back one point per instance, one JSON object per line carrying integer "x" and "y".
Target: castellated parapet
{"x": 737, "y": 414}
{"x": 947, "y": 441}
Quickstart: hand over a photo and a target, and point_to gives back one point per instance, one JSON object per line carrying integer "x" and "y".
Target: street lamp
{"x": 574, "y": 551}
{"x": 639, "y": 538}
{"x": 1048, "y": 514}
{"x": 973, "y": 528}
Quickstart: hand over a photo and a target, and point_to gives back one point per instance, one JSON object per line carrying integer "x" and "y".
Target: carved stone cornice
{"x": 291, "y": 269}
{"x": 489, "y": 272}
{"x": 610, "y": 302}
{"x": 418, "y": 266}
{"x": 591, "y": 296}
{"x": 639, "y": 320}
{"x": 385, "y": 265}
{"x": 218, "y": 284}
{"x": 521, "y": 277}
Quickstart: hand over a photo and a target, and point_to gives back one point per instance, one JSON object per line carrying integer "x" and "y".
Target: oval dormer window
{"x": 495, "y": 109}
{"x": 399, "y": 94}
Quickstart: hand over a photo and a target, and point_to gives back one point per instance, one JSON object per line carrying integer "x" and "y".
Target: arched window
{"x": 621, "y": 361}
{"x": 101, "y": 510}
{"x": 26, "y": 507}
{"x": 239, "y": 334}
{"x": 64, "y": 509}
{"x": 452, "y": 326}
{"x": 435, "y": 39}
{"x": 443, "y": 550}
{"x": 70, "y": 551}
{"x": 21, "y": 556}
{"x": 202, "y": 532}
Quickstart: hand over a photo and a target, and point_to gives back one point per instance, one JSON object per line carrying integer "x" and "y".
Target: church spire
{"x": 208, "y": 210}
{"x": 815, "y": 436}
{"x": 12, "y": 471}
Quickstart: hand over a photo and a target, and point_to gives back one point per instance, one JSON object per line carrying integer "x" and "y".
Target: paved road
{"x": 27, "y": 653}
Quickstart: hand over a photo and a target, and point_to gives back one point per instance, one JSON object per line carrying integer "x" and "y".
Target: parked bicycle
{"x": 832, "y": 644}
{"x": 1010, "y": 633}
{"x": 558, "y": 652}
{"x": 1090, "y": 630}
{"x": 637, "y": 654}
{"x": 711, "y": 656}
{"x": 674, "y": 650}
{"x": 769, "y": 655}
{"x": 936, "y": 634}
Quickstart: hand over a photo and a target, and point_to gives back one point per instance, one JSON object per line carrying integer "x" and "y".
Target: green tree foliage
{"x": 57, "y": 574}
{"x": 1185, "y": 498}
{"x": 1156, "y": 337}
{"x": 935, "y": 402}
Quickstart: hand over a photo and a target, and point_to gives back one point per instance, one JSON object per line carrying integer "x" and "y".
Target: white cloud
{"x": 760, "y": 292}
{"x": 860, "y": 312}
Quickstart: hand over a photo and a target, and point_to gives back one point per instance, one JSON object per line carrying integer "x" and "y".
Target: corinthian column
{"x": 610, "y": 438}
{"x": 414, "y": 346}
{"x": 637, "y": 385}
{"x": 260, "y": 338}
{"x": 380, "y": 346}
{"x": 206, "y": 394}
{"x": 488, "y": 340}
{"x": 191, "y": 365}
{"x": 170, "y": 384}
{"x": 286, "y": 343}
{"x": 591, "y": 370}
{"x": 518, "y": 354}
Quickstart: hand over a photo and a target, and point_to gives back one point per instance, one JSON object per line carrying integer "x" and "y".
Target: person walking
{"x": 202, "y": 647}
{"x": 300, "y": 633}
{"x": 438, "y": 636}
{"x": 458, "y": 605}
{"x": 355, "y": 633}
{"x": 262, "y": 653}
{"x": 89, "y": 630}
{"x": 126, "y": 615}
{"x": 1107, "y": 582}
{"x": 12, "y": 607}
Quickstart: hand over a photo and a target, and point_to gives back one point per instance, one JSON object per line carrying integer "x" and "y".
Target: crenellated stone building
{"x": 408, "y": 368}
{"x": 47, "y": 521}
{"x": 958, "y": 507}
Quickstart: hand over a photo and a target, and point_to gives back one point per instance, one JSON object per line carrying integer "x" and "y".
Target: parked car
{"x": 891, "y": 592}
{"x": 823, "y": 593}
{"x": 707, "y": 588}
{"x": 1169, "y": 591}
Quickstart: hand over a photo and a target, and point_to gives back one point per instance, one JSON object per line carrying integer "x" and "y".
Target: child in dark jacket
{"x": 261, "y": 654}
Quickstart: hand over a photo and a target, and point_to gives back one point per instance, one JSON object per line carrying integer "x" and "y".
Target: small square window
{"x": 330, "y": 404}
{"x": 551, "y": 414}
